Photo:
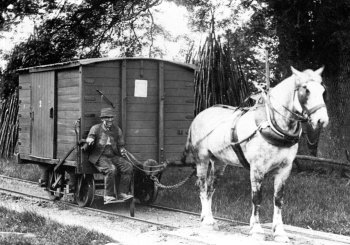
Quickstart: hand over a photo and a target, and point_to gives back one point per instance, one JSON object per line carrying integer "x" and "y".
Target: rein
{"x": 298, "y": 117}
{"x": 136, "y": 163}
{"x": 314, "y": 109}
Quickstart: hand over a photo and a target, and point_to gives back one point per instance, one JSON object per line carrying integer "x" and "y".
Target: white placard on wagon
{"x": 140, "y": 88}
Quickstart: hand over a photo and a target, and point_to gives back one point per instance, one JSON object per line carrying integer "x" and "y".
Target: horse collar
{"x": 270, "y": 130}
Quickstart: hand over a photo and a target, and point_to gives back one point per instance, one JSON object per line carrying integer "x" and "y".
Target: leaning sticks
{"x": 219, "y": 79}
{"x": 9, "y": 125}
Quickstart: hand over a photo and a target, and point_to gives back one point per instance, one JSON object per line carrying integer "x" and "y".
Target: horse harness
{"x": 268, "y": 127}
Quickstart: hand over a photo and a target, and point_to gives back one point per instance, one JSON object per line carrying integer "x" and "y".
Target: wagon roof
{"x": 82, "y": 62}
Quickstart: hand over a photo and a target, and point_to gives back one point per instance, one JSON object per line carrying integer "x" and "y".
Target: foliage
{"x": 246, "y": 38}
{"x": 73, "y": 31}
{"x": 310, "y": 33}
{"x": 13, "y": 11}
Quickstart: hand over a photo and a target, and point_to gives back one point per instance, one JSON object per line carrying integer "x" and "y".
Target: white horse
{"x": 263, "y": 139}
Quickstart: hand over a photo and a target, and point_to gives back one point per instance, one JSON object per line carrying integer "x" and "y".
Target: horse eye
{"x": 307, "y": 91}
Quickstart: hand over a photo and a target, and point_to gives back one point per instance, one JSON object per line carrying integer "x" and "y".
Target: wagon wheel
{"x": 55, "y": 184}
{"x": 85, "y": 190}
{"x": 147, "y": 191}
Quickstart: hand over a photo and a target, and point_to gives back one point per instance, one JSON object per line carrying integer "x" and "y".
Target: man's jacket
{"x": 102, "y": 137}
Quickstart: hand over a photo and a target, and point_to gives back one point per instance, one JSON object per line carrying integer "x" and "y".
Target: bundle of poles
{"x": 9, "y": 125}
{"x": 219, "y": 79}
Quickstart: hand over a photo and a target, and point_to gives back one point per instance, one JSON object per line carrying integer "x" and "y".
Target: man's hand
{"x": 90, "y": 141}
{"x": 123, "y": 151}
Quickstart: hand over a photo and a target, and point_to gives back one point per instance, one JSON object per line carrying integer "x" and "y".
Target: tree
{"x": 13, "y": 11}
{"x": 310, "y": 34}
{"x": 72, "y": 31}
{"x": 246, "y": 39}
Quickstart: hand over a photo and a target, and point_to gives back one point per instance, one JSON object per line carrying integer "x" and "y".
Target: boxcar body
{"x": 60, "y": 102}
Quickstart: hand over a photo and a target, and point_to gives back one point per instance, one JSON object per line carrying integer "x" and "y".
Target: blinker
{"x": 302, "y": 95}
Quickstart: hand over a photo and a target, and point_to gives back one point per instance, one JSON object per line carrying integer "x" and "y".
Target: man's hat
{"x": 108, "y": 112}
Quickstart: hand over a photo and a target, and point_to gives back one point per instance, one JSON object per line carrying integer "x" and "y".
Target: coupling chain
{"x": 158, "y": 184}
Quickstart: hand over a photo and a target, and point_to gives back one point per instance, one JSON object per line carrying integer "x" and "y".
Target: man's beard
{"x": 108, "y": 125}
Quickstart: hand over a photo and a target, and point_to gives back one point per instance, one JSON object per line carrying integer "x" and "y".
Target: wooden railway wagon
{"x": 60, "y": 102}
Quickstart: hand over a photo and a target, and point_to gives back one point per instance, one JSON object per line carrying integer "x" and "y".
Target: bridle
{"x": 305, "y": 115}
{"x": 306, "y": 111}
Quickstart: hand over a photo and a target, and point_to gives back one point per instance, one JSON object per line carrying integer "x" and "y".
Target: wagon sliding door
{"x": 43, "y": 85}
{"x": 140, "y": 107}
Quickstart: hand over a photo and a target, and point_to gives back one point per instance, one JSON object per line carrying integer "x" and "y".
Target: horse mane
{"x": 285, "y": 87}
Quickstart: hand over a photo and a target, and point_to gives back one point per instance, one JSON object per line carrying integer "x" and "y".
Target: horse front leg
{"x": 256, "y": 230}
{"x": 277, "y": 225}
{"x": 205, "y": 183}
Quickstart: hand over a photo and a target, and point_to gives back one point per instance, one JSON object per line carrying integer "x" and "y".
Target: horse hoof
{"x": 206, "y": 227}
{"x": 257, "y": 232}
{"x": 281, "y": 238}
{"x": 208, "y": 221}
{"x": 209, "y": 225}
{"x": 258, "y": 236}
{"x": 216, "y": 227}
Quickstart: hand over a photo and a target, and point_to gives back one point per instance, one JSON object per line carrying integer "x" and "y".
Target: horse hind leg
{"x": 277, "y": 225}
{"x": 205, "y": 182}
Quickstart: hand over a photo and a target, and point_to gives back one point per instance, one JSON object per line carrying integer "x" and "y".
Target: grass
{"x": 319, "y": 202}
{"x": 47, "y": 232}
{"x": 25, "y": 171}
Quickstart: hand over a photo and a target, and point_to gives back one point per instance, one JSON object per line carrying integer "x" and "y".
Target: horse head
{"x": 310, "y": 92}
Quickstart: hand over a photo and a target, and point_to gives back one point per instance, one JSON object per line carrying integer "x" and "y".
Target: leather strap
{"x": 236, "y": 146}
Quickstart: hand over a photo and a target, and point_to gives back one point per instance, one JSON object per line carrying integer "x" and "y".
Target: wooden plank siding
{"x": 24, "y": 144}
{"x": 179, "y": 109}
{"x": 68, "y": 111}
{"x": 141, "y": 135}
{"x": 104, "y": 77}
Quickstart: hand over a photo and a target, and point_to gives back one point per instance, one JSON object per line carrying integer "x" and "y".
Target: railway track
{"x": 169, "y": 219}
{"x": 97, "y": 211}
{"x": 150, "y": 214}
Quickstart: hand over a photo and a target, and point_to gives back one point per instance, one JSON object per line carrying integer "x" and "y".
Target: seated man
{"x": 107, "y": 151}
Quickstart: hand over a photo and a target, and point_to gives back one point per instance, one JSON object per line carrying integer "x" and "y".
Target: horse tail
{"x": 188, "y": 148}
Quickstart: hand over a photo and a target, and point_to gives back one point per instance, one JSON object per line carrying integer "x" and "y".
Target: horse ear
{"x": 298, "y": 74}
{"x": 295, "y": 71}
{"x": 319, "y": 71}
